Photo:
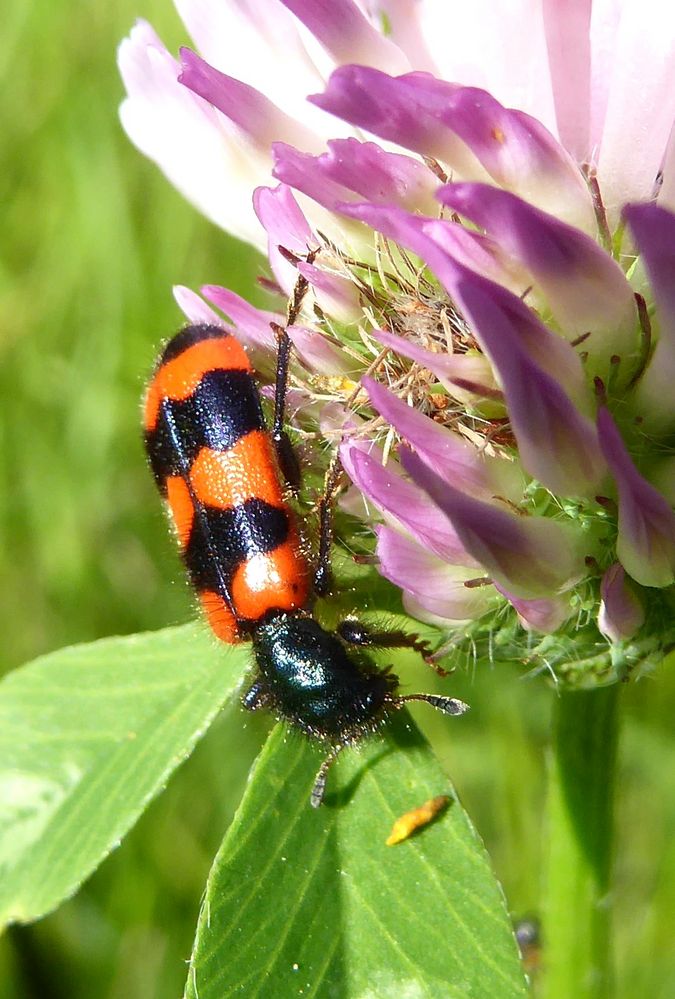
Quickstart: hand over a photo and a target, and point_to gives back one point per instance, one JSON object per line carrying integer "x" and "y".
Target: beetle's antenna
{"x": 320, "y": 782}
{"x": 448, "y": 705}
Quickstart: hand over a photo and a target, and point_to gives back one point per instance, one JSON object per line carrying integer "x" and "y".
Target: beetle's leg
{"x": 255, "y": 697}
{"x": 320, "y": 783}
{"x": 322, "y": 574}
{"x": 356, "y": 633}
{"x": 286, "y": 456}
{"x": 448, "y": 705}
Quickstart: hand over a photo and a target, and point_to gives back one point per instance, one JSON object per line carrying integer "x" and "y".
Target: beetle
{"x": 225, "y": 478}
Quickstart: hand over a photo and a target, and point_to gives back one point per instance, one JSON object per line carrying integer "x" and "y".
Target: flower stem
{"x": 577, "y": 900}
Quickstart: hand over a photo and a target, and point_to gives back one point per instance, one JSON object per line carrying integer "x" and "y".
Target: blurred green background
{"x": 93, "y": 239}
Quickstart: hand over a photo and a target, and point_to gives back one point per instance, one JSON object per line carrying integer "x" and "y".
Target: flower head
{"x": 485, "y": 230}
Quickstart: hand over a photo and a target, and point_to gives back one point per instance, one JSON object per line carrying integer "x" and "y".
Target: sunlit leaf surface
{"x": 88, "y": 736}
{"x": 313, "y": 903}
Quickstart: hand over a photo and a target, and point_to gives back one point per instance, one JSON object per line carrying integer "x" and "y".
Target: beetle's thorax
{"x": 315, "y": 682}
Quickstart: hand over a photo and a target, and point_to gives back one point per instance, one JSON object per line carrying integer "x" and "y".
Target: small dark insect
{"x": 223, "y": 475}
{"x": 528, "y": 936}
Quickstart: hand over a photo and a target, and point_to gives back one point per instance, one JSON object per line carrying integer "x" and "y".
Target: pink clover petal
{"x": 404, "y": 503}
{"x": 557, "y": 443}
{"x": 446, "y": 452}
{"x": 646, "y": 540}
{"x": 404, "y": 28}
{"x": 319, "y": 353}
{"x": 429, "y": 239}
{"x": 654, "y": 231}
{"x": 285, "y": 225}
{"x": 521, "y": 155}
{"x": 336, "y": 296}
{"x": 568, "y": 45}
{"x": 346, "y": 34}
{"x": 252, "y": 325}
{"x": 452, "y": 370}
{"x": 666, "y": 198}
{"x": 184, "y": 136}
{"x": 478, "y": 252}
{"x": 436, "y": 585}
{"x": 531, "y": 557}
{"x": 640, "y": 106}
{"x": 261, "y": 121}
{"x": 351, "y": 168}
{"x": 499, "y": 47}
{"x": 381, "y": 105}
{"x": 256, "y": 42}
{"x": 466, "y": 129}
{"x": 621, "y": 614}
{"x": 545, "y": 614}
{"x": 414, "y": 608}
{"x": 584, "y": 287}
{"x": 195, "y": 308}
{"x": 336, "y": 420}
{"x": 133, "y": 54}
{"x": 303, "y": 172}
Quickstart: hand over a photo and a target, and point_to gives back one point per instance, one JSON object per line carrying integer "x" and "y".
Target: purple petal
{"x": 346, "y": 34}
{"x": 646, "y": 541}
{"x": 521, "y": 155}
{"x": 558, "y": 444}
{"x": 336, "y": 296}
{"x": 352, "y": 168}
{"x": 478, "y": 252}
{"x": 530, "y": 557}
{"x": 467, "y": 130}
{"x": 304, "y": 172}
{"x": 458, "y": 373}
{"x": 654, "y": 231}
{"x": 252, "y": 325}
{"x": 195, "y": 308}
{"x": 621, "y": 614}
{"x": 405, "y": 503}
{"x": 286, "y": 226}
{"x": 261, "y": 121}
{"x": 256, "y": 41}
{"x": 584, "y": 287}
{"x": 545, "y": 614}
{"x": 446, "y": 452}
{"x": 385, "y": 107}
{"x": 437, "y": 586}
{"x": 320, "y": 354}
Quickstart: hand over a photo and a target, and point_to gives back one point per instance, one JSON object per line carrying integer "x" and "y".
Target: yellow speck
{"x": 421, "y": 816}
{"x": 498, "y": 134}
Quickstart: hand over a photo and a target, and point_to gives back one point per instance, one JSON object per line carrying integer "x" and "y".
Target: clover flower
{"x": 483, "y": 219}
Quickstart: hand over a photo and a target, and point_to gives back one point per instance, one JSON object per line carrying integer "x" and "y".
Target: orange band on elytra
{"x": 278, "y": 579}
{"x": 181, "y": 506}
{"x": 177, "y": 379}
{"x": 220, "y": 617}
{"x": 248, "y": 470}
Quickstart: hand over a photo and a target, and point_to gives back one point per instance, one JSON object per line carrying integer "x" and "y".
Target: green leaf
{"x": 88, "y": 736}
{"x": 313, "y": 903}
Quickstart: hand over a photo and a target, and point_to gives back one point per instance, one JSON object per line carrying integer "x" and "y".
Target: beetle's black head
{"x": 309, "y": 678}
